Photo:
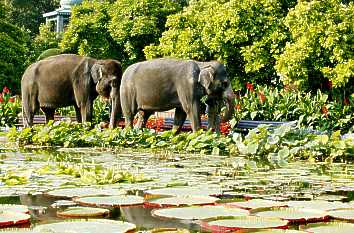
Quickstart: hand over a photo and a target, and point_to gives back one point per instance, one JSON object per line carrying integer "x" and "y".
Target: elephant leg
{"x": 194, "y": 115}
{"x": 143, "y": 116}
{"x": 180, "y": 118}
{"x": 49, "y": 113}
{"x": 78, "y": 114}
{"x": 86, "y": 111}
{"x": 30, "y": 106}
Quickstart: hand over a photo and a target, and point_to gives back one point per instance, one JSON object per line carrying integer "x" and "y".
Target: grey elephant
{"x": 69, "y": 80}
{"x": 164, "y": 84}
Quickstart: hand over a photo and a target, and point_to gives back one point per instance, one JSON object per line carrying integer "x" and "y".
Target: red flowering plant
{"x": 10, "y": 107}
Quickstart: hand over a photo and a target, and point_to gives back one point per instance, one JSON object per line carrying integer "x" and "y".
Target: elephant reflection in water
{"x": 164, "y": 84}
{"x": 69, "y": 80}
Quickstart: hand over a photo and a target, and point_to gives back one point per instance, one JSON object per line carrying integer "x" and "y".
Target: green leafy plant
{"x": 10, "y": 107}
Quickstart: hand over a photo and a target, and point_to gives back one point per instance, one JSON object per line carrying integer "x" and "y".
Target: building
{"x": 60, "y": 17}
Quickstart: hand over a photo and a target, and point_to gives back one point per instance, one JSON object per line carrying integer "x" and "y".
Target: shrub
{"x": 311, "y": 110}
{"x": 10, "y": 107}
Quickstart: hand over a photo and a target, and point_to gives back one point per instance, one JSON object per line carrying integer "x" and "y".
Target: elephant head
{"x": 213, "y": 78}
{"x": 107, "y": 75}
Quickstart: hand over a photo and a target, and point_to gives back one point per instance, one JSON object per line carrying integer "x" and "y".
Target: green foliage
{"x": 28, "y": 14}
{"x": 321, "y": 45}
{"x": 13, "y": 47}
{"x": 245, "y": 35}
{"x": 119, "y": 30}
{"x": 10, "y": 107}
{"x": 275, "y": 145}
{"x": 46, "y": 43}
{"x": 87, "y": 33}
{"x": 311, "y": 110}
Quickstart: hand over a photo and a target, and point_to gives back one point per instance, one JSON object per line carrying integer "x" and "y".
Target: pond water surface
{"x": 33, "y": 172}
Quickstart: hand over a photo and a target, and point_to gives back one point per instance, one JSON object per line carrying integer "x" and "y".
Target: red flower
{"x": 238, "y": 106}
{"x": 225, "y": 128}
{"x": 324, "y": 110}
{"x": 6, "y": 90}
{"x": 12, "y": 99}
{"x": 1, "y": 99}
{"x": 249, "y": 86}
{"x": 262, "y": 97}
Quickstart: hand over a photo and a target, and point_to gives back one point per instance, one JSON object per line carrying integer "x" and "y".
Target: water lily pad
{"x": 298, "y": 215}
{"x": 343, "y": 214}
{"x": 63, "y": 204}
{"x": 17, "y": 230}
{"x": 8, "y": 218}
{"x": 76, "y": 212}
{"x": 331, "y": 197}
{"x": 169, "y": 230}
{"x": 318, "y": 204}
{"x": 180, "y": 191}
{"x": 244, "y": 222}
{"x": 180, "y": 201}
{"x": 111, "y": 201}
{"x": 254, "y": 204}
{"x": 198, "y": 212}
{"x": 331, "y": 227}
{"x": 89, "y": 225}
{"x": 278, "y": 231}
{"x": 14, "y": 208}
{"x": 83, "y": 192}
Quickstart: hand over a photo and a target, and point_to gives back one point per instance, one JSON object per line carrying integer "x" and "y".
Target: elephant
{"x": 70, "y": 80}
{"x": 167, "y": 83}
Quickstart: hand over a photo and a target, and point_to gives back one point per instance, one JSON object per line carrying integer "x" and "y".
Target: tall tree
{"x": 28, "y": 14}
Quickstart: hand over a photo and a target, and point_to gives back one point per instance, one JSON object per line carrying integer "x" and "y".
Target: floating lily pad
{"x": 8, "y": 218}
{"x": 14, "y": 208}
{"x": 111, "y": 201}
{"x": 298, "y": 215}
{"x": 180, "y": 201}
{"x": 278, "y": 231}
{"x": 331, "y": 197}
{"x": 244, "y": 222}
{"x": 89, "y": 225}
{"x": 76, "y": 212}
{"x": 343, "y": 214}
{"x": 17, "y": 230}
{"x": 198, "y": 212}
{"x": 318, "y": 205}
{"x": 256, "y": 204}
{"x": 331, "y": 227}
{"x": 169, "y": 230}
{"x": 63, "y": 204}
{"x": 83, "y": 192}
{"x": 180, "y": 191}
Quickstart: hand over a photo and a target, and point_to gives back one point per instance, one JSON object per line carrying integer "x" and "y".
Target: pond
{"x": 28, "y": 177}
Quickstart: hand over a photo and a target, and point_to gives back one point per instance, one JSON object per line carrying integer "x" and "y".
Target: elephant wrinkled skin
{"x": 164, "y": 84}
{"x": 69, "y": 80}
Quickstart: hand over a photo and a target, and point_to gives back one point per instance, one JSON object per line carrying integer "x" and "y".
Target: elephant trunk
{"x": 229, "y": 97}
{"x": 116, "y": 108}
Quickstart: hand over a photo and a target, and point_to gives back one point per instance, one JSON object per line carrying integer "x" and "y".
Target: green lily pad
{"x": 317, "y": 205}
{"x": 169, "y": 230}
{"x": 244, "y": 222}
{"x": 63, "y": 204}
{"x": 254, "y": 204}
{"x": 198, "y": 212}
{"x": 180, "y": 201}
{"x": 14, "y": 208}
{"x": 180, "y": 191}
{"x": 331, "y": 227}
{"x": 76, "y": 212}
{"x": 8, "y": 218}
{"x": 298, "y": 215}
{"x": 111, "y": 201}
{"x": 343, "y": 214}
{"x": 82, "y": 192}
{"x": 331, "y": 197}
{"x": 89, "y": 225}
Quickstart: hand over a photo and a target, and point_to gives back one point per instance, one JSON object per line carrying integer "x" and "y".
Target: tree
{"x": 28, "y": 14}
{"x": 321, "y": 45}
{"x": 119, "y": 30}
{"x": 246, "y": 35}
{"x": 13, "y": 47}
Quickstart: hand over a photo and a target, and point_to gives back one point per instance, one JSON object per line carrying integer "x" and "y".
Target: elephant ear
{"x": 206, "y": 76}
{"x": 96, "y": 72}
{"x": 82, "y": 82}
